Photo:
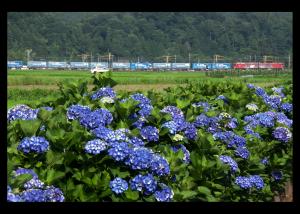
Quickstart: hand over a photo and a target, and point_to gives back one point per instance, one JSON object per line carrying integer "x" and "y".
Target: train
{"x": 145, "y": 66}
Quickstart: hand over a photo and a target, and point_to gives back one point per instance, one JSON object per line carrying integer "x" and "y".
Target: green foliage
{"x": 85, "y": 177}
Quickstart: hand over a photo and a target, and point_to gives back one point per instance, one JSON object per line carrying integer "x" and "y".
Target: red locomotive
{"x": 258, "y": 65}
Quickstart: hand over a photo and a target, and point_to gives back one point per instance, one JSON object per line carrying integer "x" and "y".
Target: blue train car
{"x": 161, "y": 66}
{"x": 180, "y": 66}
{"x": 79, "y": 65}
{"x": 37, "y": 64}
{"x": 140, "y": 66}
{"x": 14, "y": 64}
{"x": 199, "y": 66}
{"x": 121, "y": 65}
{"x": 99, "y": 64}
{"x": 56, "y": 65}
{"x": 219, "y": 66}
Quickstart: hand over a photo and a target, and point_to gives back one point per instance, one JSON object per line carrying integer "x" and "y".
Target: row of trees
{"x": 149, "y": 34}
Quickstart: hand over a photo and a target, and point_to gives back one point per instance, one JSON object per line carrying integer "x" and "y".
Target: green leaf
{"x": 131, "y": 195}
{"x": 53, "y": 175}
{"x": 21, "y": 180}
{"x": 29, "y": 127}
{"x": 182, "y": 103}
{"x": 43, "y": 114}
{"x": 204, "y": 190}
{"x": 188, "y": 194}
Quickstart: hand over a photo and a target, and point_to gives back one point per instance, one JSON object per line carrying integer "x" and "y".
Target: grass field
{"x": 30, "y": 86}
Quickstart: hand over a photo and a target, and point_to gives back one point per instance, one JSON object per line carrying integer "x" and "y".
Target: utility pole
{"x": 175, "y": 58}
{"x": 289, "y": 61}
{"x": 189, "y": 57}
{"x": 28, "y": 51}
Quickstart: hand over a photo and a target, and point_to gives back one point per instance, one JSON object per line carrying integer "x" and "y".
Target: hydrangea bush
{"x": 202, "y": 142}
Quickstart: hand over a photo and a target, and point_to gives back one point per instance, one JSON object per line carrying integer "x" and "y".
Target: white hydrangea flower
{"x": 252, "y": 107}
{"x": 178, "y": 137}
{"x": 107, "y": 100}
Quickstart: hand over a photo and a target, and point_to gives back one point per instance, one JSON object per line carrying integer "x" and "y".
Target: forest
{"x": 147, "y": 36}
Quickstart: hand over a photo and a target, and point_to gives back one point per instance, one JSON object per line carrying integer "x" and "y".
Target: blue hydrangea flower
{"x": 190, "y": 132}
{"x": 34, "y": 183}
{"x": 259, "y": 91}
{"x": 33, "y": 195}
{"x": 139, "y": 158}
{"x": 256, "y": 181}
{"x": 265, "y": 119}
{"x": 277, "y": 175}
{"x": 22, "y": 112}
{"x": 139, "y": 123}
{"x": 165, "y": 194}
{"x": 136, "y": 141}
{"x": 286, "y": 107}
{"x": 232, "y": 124}
{"x": 186, "y": 153}
{"x": 238, "y": 141}
{"x": 145, "y": 109}
{"x": 159, "y": 165}
{"x": 103, "y": 92}
{"x": 283, "y": 119}
{"x": 119, "y": 151}
{"x": 21, "y": 171}
{"x": 243, "y": 182}
{"x": 172, "y": 126}
{"x": 47, "y": 108}
{"x": 282, "y": 134}
{"x": 205, "y": 105}
{"x": 95, "y": 146}
{"x": 173, "y": 110}
{"x": 11, "y": 197}
{"x": 242, "y": 152}
{"x": 250, "y": 86}
{"x": 77, "y": 111}
{"x": 136, "y": 183}
{"x": 149, "y": 133}
{"x": 228, "y": 160}
{"x": 118, "y": 185}
{"x": 141, "y": 98}
{"x": 99, "y": 117}
{"x": 202, "y": 121}
{"x": 149, "y": 184}
{"x": 222, "y": 97}
{"x": 265, "y": 161}
{"x": 34, "y": 144}
{"x": 54, "y": 194}
{"x": 103, "y": 133}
